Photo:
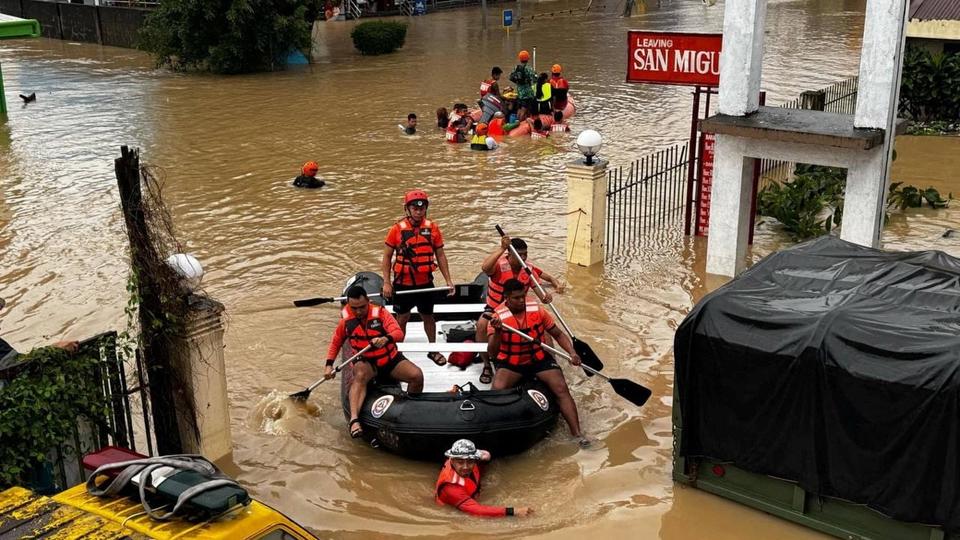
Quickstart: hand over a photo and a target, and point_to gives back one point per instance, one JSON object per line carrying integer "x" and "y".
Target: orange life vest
{"x": 450, "y": 476}
{"x": 495, "y": 287}
{"x": 360, "y": 332}
{"x": 516, "y": 350}
{"x": 415, "y": 255}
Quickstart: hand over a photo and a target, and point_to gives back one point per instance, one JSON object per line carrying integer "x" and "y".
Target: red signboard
{"x": 673, "y": 58}
{"x": 707, "y": 140}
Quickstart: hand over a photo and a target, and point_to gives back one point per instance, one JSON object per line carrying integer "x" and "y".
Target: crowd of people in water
{"x": 539, "y": 100}
{"x": 413, "y": 250}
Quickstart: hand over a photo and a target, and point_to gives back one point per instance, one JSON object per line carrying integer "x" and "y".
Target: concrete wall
{"x": 114, "y": 26}
{"x": 946, "y": 30}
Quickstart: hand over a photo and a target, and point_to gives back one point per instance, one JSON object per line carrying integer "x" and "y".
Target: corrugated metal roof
{"x": 935, "y": 10}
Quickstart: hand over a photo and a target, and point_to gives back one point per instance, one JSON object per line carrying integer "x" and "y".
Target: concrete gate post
{"x": 199, "y": 359}
{"x": 587, "y": 211}
{"x": 881, "y": 63}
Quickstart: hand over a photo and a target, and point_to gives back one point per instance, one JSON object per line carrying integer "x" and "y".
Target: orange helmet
{"x": 523, "y": 56}
{"x": 310, "y": 168}
{"x": 414, "y": 196}
{"x": 556, "y": 68}
{"x": 481, "y": 129}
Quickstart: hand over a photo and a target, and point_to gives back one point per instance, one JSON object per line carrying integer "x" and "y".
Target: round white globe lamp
{"x": 188, "y": 267}
{"x": 589, "y": 143}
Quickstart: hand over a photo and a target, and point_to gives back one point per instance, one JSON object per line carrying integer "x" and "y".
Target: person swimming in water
{"x": 308, "y": 176}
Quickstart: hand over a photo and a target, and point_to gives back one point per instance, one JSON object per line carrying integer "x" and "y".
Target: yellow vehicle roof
{"x": 76, "y": 514}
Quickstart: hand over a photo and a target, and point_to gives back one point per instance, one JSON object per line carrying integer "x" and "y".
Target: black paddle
{"x": 304, "y": 394}
{"x": 584, "y": 351}
{"x": 307, "y": 302}
{"x": 627, "y": 389}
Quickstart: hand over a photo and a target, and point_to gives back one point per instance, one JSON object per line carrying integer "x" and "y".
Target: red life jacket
{"x": 485, "y": 86}
{"x": 452, "y": 133}
{"x": 495, "y": 287}
{"x": 360, "y": 332}
{"x": 515, "y": 350}
{"x": 559, "y": 88}
{"x": 561, "y": 127}
{"x": 415, "y": 255}
{"x": 539, "y": 135}
{"x": 496, "y": 128}
{"x": 450, "y": 476}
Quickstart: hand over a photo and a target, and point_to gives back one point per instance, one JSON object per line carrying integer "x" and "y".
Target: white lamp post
{"x": 188, "y": 267}
{"x": 589, "y": 143}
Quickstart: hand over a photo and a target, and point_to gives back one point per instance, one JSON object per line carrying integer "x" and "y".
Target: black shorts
{"x": 382, "y": 373}
{"x": 424, "y": 301}
{"x": 530, "y": 370}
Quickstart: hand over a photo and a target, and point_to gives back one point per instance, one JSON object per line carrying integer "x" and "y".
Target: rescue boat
{"x": 422, "y": 426}
{"x": 524, "y": 129}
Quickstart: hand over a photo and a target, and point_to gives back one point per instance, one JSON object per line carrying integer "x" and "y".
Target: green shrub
{"x": 808, "y": 206}
{"x": 911, "y": 197}
{"x": 379, "y": 37}
{"x": 929, "y": 86}
{"x": 228, "y": 36}
{"x": 40, "y": 406}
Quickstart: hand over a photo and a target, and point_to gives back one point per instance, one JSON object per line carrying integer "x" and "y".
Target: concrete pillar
{"x": 729, "y": 198}
{"x": 587, "y": 211}
{"x": 199, "y": 361}
{"x": 741, "y": 61}
{"x": 884, "y": 33}
{"x": 864, "y": 198}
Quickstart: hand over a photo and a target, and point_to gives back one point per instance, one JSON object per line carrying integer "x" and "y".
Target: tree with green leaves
{"x": 228, "y": 36}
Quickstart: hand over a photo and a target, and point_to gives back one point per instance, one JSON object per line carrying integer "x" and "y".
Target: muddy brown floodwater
{"x": 228, "y": 147}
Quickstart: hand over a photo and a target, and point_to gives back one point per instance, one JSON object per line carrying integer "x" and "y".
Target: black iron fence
{"x": 125, "y": 423}
{"x": 647, "y": 195}
{"x": 839, "y": 97}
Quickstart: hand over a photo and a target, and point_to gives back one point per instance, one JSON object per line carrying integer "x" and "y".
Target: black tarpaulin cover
{"x": 836, "y": 366}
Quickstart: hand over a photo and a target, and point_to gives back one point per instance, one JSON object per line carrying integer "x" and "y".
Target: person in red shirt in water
{"x": 459, "y": 481}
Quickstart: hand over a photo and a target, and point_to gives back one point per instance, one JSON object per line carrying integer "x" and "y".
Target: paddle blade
{"x": 631, "y": 391}
{"x": 301, "y": 395}
{"x": 307, "y": 302}
{"x": 587, "y": 356}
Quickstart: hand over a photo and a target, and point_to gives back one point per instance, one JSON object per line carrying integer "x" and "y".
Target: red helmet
{"x": 415, "y": 195}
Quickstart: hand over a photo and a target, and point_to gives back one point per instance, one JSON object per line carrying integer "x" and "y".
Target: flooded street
{"x": 228, "y": 147}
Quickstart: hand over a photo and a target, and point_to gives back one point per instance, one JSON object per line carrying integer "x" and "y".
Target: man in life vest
{"x": 524, "y": 77}
{"x": 560, "y": 88}
{"x": 480, "y": 139}
{"x": 494, "y": 79}
{"x": 363, "y": 324}
{"x": 413, "y": 250}
{"x": 501, "y": 266}
{"x": 459, "y": 125}
{"x": 459, "y": 482}
{"x": 537, "y": 130}
{"x": 518, "y": 358}
{"x": 558, "y": 126}
{"x": 308, "y": 176}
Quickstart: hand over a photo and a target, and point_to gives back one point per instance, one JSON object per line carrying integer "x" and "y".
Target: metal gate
{"x": 648, "y": 196}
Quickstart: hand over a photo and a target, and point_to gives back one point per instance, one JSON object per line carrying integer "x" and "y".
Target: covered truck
{"x": 823, "y": 386}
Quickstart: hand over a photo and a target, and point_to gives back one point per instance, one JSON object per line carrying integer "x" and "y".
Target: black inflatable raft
{"x": 423, "y": 426}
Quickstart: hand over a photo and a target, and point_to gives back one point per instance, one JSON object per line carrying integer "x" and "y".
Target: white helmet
{"x": 464, "y": 449}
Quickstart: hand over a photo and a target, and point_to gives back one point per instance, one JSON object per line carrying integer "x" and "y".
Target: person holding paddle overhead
{"x": 517, "y": 358}
{"x": 459, "y": 481}
{"x": 362, "y": 324}
{"x": 499, "y": 266}
{"x": 414, "y": 249}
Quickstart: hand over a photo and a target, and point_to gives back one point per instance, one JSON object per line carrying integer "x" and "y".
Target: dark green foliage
{"x": 810, "y": 205}
{"x": 39, "y": 408}
{"x": 912, "y": 197}
{"x": 228, "y": 36}
{"x": 379, "y": 37}
{"x": 930, "y": 88}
